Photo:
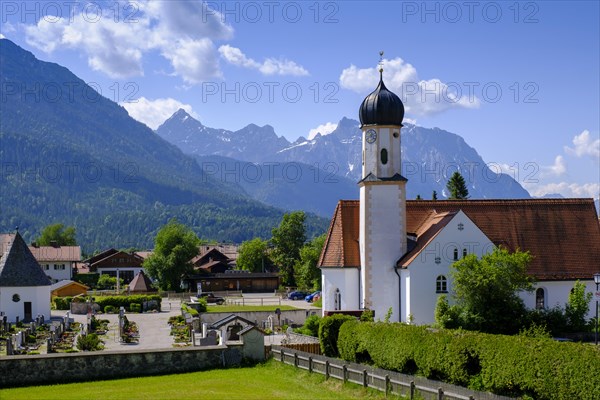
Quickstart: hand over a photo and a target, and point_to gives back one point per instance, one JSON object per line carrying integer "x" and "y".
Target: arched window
{"x": 441, "y": 284}
{"x": 455, "y": 254}
{"x": 337, "y": 300}
{"x": 464, "y": 252}
{"x": 539, "y": 299}
{"x": 384, "y": 156}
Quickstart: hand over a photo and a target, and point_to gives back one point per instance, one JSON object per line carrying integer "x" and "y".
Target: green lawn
{"x": 233, "y": 308}
{"x": 271, "y": 380}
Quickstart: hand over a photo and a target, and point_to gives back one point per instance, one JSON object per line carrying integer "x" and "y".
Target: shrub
{"x": 516, "y": 366}
{"x": 176, "y": 320}
{"x": 202, "y": 305}
{"x": 109, "y": 310}
{"x": 311, "y": 326}
{"x": 89, "y": 342}
{"x": 135, "y": 307}
{"x": 187, "y": 309}
{"x": 63, "y": 303}
{"x": 367, "y": 316}
{"x": 328, "y": 333}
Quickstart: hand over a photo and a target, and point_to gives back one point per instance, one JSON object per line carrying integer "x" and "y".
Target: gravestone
{"x": 210, "y": 339}
{"x": 9, "y": 346}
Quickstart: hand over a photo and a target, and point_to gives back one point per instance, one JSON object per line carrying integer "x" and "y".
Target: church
{"x": 384, "y": 252}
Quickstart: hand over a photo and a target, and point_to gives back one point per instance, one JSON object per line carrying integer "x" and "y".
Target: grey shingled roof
{"x": 228, "y": 319}
{"x": 141, "y": 283}
{"x": 18, "y": 267}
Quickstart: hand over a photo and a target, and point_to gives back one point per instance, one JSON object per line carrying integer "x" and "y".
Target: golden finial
{"x": 381, "y": 64}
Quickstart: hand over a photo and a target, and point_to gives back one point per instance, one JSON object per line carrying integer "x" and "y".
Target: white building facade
{"x": 57, "y": 262}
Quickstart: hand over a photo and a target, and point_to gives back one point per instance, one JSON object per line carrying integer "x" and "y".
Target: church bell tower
{"x": 382, "y": 237}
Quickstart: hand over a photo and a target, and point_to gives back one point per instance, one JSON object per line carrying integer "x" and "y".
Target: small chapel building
{"x": 24, "y": 286}
{"x": 383, "y": 252}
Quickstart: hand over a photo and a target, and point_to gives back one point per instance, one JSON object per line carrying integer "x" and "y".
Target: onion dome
{"x": 381, "y": 107}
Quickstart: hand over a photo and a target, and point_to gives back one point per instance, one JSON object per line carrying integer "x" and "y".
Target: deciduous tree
{"x": 59, "y": 234}
{"x": 253, "y": 255}
{"x": 578, "y": 307}
{"x": 308, "y": 276}
{"x": 486, "y": 291}
{"x": 174, "y": 247}
{"x": 287, "y": 241}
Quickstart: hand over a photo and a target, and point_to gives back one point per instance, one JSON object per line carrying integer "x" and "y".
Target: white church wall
{"x": 556, "y": 293}
{"x": 384, "y": 245}
{"x": 347, "y": 281}
{"x": 39, "y": 296}
{"x": 405, "y": 305}
{"x": 422, "y": 297}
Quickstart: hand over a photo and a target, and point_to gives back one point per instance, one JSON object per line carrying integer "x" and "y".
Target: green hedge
{"x": 328, "y": 333}
{"x": 63, "y": 303}
{"x": 126, "y": 301}
{"x": 506, "y": 365}
{"x": 134, "y": 307}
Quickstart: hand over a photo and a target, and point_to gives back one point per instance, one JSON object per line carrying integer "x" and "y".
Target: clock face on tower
{"x": 371, "y": 136}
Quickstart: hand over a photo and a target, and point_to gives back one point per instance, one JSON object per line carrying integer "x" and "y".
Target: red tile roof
{"x": 341, "y": 245}
{"x": 59, "y": 253}
{"x": 425, "y": 233}
{"x": 563, "y": 235}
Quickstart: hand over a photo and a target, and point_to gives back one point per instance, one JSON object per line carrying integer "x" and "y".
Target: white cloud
{"x": 154, "y": 112}
{"x": 324, "y": 129}
{"x": 234, "y": 56}
{"x": 181, "y": 31}
{"x": 557, "y": 169}
{"x": 585, "y": 145}
{"x": 2, "y": 36}
{"x": 564, "y": 188}
{"x": 194, "y": 60}
{"x": 270, "y": 66}
{"x": 420, "y": 97}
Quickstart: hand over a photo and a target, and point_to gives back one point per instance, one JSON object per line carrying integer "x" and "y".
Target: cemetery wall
{"x": 82, "y": 367}
{"x": 298, "y": 317}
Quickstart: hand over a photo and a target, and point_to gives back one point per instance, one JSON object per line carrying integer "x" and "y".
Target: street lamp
{"x": 597, "y": 282}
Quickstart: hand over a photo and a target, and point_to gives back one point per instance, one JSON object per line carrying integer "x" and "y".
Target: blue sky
{"x": 518, "y": 80}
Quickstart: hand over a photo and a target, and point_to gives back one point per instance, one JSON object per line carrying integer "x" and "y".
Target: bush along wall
{"x": 62, "y": 303}
{"x": 126, "y": 301}
{"x": 328, "y": 333}
{"x": 507, "y": 365}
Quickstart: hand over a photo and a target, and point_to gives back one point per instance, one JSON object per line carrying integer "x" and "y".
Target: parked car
{"x": 297, "y": 295}
{"x": 211, "y": 298}
{"x": 312, "y": 297}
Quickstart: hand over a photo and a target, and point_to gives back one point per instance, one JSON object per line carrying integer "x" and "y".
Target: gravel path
{"x": 153, "y": 328}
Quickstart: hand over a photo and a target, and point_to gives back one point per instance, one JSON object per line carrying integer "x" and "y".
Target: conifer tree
{"x": 457, "y": 188}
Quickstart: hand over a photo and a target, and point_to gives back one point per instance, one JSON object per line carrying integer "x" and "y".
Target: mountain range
{"x": 69, "y": 155}
{"x": 429, "y": 157}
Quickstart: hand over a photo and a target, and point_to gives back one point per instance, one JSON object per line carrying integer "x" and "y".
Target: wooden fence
{"x": 313, "y": 348}
{"x": 389, "y": 382}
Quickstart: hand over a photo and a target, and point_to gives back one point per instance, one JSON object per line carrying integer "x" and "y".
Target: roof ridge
{"x": 338, "y": 209}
